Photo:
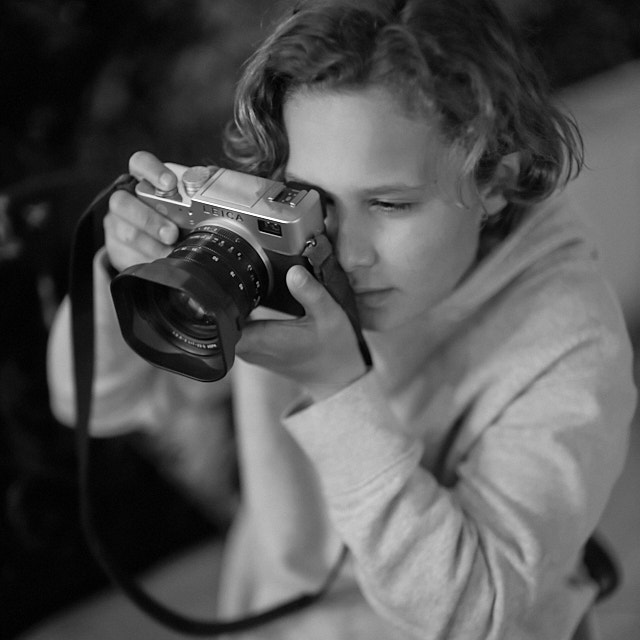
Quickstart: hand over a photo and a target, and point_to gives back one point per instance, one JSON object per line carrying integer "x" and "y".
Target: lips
{"x": 372, "y": 297}
{"x": 364, "y": 291}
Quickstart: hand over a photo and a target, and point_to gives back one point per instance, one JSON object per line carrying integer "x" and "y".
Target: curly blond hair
{"x": 458, "y": 61}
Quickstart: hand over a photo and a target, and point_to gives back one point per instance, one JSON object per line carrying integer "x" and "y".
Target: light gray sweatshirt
{"x": 464, "y": 472}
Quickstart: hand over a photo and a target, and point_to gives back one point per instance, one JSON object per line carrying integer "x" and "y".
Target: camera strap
{"x": 88, "y": 238}
{"x": 328, "y": 271}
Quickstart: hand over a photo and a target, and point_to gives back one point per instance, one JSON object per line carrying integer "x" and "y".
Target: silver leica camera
{"x": 240, "y": 235}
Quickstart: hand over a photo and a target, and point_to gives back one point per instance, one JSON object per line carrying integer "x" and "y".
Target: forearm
{"x": 129, "y": 393}
{"x": 417, "y": 556}
{"x": 484, "y": 556}
{"x": 120, "y": 375}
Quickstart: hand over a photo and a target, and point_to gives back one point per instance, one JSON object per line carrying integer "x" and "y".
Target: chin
{"x": 390, "y": 319}
{"x": 378, "y": 320}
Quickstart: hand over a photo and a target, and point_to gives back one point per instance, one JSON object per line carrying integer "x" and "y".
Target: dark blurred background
{"x": 83, "y": 85}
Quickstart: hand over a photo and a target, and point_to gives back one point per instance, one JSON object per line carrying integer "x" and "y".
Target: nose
{"x": 351, "y": 237}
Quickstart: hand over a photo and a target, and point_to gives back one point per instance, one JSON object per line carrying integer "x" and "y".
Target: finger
{"x": 280, "y": 345}
{"x": 145, "y": 166}
{"x": 127, "y": 245}
{"x": 310, "y": 293}
{"x": 123, "y": 256}
{"x": 256, "y": 341}
{"x": 135, "y": 213}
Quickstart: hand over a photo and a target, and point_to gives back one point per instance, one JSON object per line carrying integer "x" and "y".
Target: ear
{"x": 505, "y": 178}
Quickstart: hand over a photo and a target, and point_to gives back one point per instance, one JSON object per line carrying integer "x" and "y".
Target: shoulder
{"x": 547, "y": 270}
{"x": 543, "y": 306}
{"x": 560, "y": 290}
{"x": 547, "y": 351}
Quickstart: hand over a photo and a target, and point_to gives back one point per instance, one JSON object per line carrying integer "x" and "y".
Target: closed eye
{"x": 392, "y": 207}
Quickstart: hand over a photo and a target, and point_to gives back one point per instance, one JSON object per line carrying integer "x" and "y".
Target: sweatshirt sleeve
{"x": 129, "y": 393}
{"x": 483, "y": 557}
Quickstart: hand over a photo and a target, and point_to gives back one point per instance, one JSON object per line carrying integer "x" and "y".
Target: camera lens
{"x": 181, "y": 317}
{"x": 231, "y": 259}
{"x": 175, "y": 317}
{"x": 193, "y": 302}
{"x": 187, "y": 312}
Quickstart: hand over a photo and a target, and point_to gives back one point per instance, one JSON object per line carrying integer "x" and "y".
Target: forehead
{"x": 359, "y": 133}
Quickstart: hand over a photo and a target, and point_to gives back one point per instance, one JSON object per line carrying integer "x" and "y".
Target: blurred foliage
{"x": 87, "y": 83}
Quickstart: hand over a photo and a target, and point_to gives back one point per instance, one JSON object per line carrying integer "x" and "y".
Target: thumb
{"x": 310, "y": 293}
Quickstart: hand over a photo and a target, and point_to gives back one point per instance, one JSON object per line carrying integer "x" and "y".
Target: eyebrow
{"x": 397, "y": 188}
{"x": 377, "y": 190}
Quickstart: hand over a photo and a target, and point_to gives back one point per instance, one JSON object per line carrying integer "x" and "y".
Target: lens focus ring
{"x": 232, "y": 261}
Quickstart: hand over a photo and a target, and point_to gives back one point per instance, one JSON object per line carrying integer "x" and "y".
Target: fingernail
{"x": 298, "y": 276}
{"x": 166, "y": 179}
{"x": 168, "y": 234}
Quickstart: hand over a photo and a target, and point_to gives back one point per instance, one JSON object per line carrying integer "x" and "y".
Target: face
{"x": 403, "y": 243}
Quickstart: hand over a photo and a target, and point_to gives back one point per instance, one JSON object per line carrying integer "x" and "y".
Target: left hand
{"x": 319, "y": 350}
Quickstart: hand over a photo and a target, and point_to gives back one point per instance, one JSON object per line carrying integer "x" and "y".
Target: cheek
{"x": 432, "y": 258}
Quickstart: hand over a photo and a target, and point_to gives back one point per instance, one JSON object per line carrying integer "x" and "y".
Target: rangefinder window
{"x": 270, "y": 227}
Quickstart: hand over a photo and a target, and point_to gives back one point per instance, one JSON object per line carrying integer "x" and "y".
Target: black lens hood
{"x": 129, "y": 291}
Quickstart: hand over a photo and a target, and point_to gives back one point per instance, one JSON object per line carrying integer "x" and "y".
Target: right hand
{"x": 134, "y": 232}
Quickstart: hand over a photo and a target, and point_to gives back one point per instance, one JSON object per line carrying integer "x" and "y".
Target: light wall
{"x": 607, "y": 108}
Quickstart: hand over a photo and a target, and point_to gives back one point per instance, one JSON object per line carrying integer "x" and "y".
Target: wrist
{"x": 319, "y": 391}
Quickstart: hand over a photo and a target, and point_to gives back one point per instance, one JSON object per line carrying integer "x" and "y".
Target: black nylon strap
{"x": 87, "y": 239}
{"x": 328, "y": 271}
